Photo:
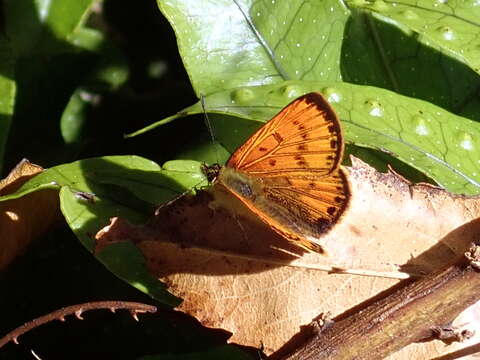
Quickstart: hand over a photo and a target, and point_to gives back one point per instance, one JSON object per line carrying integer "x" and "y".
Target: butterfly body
{"x": 289, "y": 174}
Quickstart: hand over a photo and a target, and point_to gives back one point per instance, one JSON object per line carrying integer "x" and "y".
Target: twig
{"x": 406, "y": 315}
{"x": 76, "y": 310}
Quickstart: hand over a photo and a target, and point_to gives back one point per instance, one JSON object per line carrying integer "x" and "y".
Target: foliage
{"x": 404, "y": 78}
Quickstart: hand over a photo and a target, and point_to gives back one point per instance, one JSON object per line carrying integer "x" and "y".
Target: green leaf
{"x": 142, "y": 177}
{"x": 451, "y": 26}
{"x": 43, "y": 25}
{"x": 7, "y": 93}
{"x": 384, "y": 53}
{"x": 74, "y": 118}
{"x": 404, "y": 47}
{"x": 428, "y": 138}
{"x": 226, "y": 44}
{"x": 382, "y": 161}
{"x": 123, "y": 259}
{"x": 377, "y": 47}
{"x": 87, "y": 39}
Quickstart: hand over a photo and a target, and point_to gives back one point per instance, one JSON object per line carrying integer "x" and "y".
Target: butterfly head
{"x": 211, "y": 171}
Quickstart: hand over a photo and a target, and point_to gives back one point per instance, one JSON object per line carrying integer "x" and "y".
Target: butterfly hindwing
{"x": 315, "y": 202}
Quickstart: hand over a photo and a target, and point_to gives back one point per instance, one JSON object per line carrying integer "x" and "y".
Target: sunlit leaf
{"x": 226, "y": 44}
{"x": 438, "y": 143}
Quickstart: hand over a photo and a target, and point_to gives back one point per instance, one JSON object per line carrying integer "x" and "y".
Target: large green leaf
{"x": 231, "y": 43}
{"x": 425, "y": 50}
{"x": 441, "y": 144}
{"x": 226, "y": 44}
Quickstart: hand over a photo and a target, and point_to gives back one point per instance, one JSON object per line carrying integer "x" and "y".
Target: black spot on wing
{"x": 277, "y": 137}
{"x": 323, "y": 224}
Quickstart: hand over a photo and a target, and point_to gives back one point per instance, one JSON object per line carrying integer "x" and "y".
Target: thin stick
{"x": 77, "y": 310}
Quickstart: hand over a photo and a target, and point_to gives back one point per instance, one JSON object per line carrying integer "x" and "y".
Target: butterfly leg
{"x": 239, "y": 223}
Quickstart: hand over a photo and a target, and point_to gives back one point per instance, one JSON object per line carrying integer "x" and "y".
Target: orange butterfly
{"x": 288, "y": 172}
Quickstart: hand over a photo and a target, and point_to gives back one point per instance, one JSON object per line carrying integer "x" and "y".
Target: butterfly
{"x": 288, "y": 172}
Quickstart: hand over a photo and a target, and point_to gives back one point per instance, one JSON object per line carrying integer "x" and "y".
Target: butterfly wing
{"x": 305, "y": 135}
{"x": 301, "y": 209}
{"x": 289, "y": 174}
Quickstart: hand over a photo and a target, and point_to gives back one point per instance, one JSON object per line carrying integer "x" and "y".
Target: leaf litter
{"x": 235, "y": 273}
{"x": 24, "y": 219}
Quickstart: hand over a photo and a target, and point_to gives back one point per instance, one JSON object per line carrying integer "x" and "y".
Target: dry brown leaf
{"x": 231, "y": 273}
{"x": 25, "y": 218}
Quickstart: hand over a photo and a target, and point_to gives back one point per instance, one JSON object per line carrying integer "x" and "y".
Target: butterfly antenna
{"x": 179, "y": 196}
{"x": 209, "y": 127}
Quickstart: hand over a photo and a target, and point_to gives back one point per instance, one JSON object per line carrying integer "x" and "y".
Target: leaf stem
{"x": 155, "y": 124}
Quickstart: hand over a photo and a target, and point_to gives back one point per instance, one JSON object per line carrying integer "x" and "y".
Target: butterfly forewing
{"x": 304, "y": 135}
